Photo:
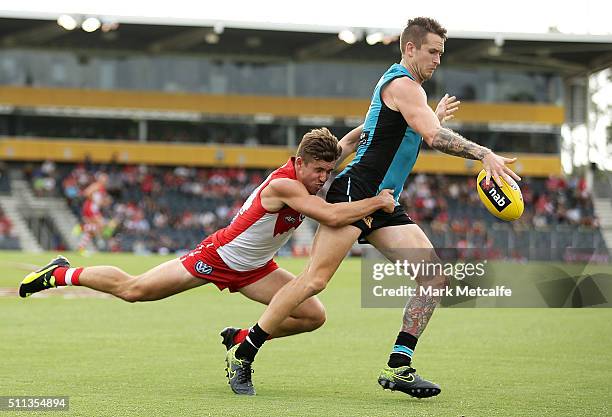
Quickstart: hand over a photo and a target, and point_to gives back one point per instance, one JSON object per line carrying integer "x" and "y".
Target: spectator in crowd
{"x": 6, "y": 226}
{"x": 164, "y": 209}
{"x": 8, "y": 239}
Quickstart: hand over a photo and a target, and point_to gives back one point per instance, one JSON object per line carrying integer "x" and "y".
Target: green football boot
{"x": 41, "y": 279}
{"x": 405, "y": 379}
{"x": 238, "y": 373}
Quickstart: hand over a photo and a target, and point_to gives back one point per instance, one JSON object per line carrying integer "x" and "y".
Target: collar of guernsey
{"x": 288, "y": 169}
{"x": 399, "y": 155}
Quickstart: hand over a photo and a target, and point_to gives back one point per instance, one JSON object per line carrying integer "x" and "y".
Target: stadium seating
{"x": 154, "y": 209}
{"x": 169, "y": 209}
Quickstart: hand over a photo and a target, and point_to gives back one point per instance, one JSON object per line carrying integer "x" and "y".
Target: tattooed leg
{"x": 417, "y": 313}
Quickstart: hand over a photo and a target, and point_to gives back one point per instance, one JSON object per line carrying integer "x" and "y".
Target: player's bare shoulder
{"x": 404, "y": 86}
{"x": 284, "y": 186}
{"x": 402, "y": 89}
{"x": 274, "y": 195}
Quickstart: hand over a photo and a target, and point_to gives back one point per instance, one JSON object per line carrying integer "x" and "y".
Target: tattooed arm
{"x": 453, "y": 143}
{"x": 409, "y": 98}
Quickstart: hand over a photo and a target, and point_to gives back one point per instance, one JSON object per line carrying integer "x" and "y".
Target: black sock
{"x": 401, "y": 355}
{"x": 249, "y": 346}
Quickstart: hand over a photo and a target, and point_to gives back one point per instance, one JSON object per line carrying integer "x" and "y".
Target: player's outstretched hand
{"x": 495, "y": 166}
{"x": 446, "y": 107}
{"x": 388, "y": 200}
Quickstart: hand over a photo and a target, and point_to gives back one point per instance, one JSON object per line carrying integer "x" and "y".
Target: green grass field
{"x": 164, "y": 358}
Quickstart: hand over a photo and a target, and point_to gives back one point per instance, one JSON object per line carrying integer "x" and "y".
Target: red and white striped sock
{"x": 240, "y": 336}
{"x": 66, "y": 276}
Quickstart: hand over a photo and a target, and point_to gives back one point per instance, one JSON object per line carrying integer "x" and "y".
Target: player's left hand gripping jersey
{"x": 255, "y": 234}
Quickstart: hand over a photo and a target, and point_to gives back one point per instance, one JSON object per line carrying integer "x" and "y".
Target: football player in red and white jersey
{"x": 96, "y": 197}
{"x": 240, "y": 256}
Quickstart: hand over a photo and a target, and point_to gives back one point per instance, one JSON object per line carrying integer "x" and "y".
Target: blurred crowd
{"x": 452, "y": 203}
{"x": 6, "y": 227}
{"x": 151, "y": 209}
{"x": 558, "y": 213}
{"x": 168, "y": 209}
{"x": 8, "y": 239}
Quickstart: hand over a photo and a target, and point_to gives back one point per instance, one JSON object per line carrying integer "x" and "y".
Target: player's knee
{"x": 316, "y": 285}
{"x": 316, "y": 279}
{"x": 438, "y": 281}
{"x": 132, "y": 293}
{"x": 317, "y": 318}
{"x": 130, "y": 296}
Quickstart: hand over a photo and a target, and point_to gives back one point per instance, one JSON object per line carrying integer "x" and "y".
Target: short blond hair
{"x": 319, "y": 145}
{"x": 416, "y": 29}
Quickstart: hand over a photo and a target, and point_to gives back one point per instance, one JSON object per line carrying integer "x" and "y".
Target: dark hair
{"x": 319, "y": 145}
{"x": 416, "y": 30}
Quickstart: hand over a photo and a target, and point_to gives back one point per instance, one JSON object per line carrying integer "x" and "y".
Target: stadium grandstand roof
{"x": 568, "y": 54}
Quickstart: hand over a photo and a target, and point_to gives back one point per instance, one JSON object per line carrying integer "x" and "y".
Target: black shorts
{"x": 347, "y": 189}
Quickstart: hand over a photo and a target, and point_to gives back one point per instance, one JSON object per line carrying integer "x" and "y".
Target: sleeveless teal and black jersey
{"x": 388, "y": 147}
{"x": 387, "y": 151}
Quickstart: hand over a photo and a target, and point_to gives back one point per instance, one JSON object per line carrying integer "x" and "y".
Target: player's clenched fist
{"x": 388, "y": 200}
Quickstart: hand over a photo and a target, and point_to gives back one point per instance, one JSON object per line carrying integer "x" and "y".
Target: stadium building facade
{"x": 220, "y": 95}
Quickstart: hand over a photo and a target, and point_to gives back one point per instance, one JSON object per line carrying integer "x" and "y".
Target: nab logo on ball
{"x": 505, "y": 202}
{"x": 495, "y": 195}
{"x": 203, "y": 268}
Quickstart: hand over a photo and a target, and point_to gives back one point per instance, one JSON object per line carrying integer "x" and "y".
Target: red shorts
{"x": 204, "y": 262}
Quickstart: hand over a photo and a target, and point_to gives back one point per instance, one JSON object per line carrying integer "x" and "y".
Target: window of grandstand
{"x": 248, "y": 134}
{"x": 337, "y": 130}
{"x": 199, "y": 74}
{"x": 68, "y": 127}
{"x": 328, "y": 79}
{"x": 141, "y": 72}
{"x": 497, "y": 85}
